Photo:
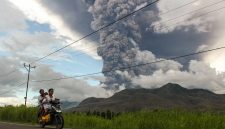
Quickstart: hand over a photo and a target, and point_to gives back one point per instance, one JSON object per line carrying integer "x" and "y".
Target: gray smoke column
{"x": 120, "y": 42}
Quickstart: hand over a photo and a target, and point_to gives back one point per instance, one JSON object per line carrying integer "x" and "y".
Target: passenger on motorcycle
{"x": 40, "y": 100}
{"x": 48, "y": 100}
{"x": 41, "y": 97}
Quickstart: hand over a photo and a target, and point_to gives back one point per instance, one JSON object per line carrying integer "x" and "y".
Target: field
{"x": 157, "y": 119}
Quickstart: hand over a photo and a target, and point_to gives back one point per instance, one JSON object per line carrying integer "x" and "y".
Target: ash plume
{"x": 120, "y": 42}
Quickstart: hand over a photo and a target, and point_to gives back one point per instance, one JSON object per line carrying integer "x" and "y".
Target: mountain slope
{"x": 168, "y": 96}
{"x": 67, "y": 105}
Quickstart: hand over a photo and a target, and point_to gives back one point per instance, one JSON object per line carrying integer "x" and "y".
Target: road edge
{"x": 23, "y": 124}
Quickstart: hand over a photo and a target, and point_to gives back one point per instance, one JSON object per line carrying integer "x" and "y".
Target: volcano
{"x": 169, "y": 96}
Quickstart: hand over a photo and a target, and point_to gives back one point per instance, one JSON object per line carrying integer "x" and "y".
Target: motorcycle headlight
{"x": 56, "y": 109}
{"x": 59, "y": 111}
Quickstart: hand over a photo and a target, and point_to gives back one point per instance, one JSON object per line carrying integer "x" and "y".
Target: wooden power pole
{"x": 28, "y": 67}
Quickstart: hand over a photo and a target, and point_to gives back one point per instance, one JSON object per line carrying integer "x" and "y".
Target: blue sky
{"x": 37, "y": 27}
{"x": 78, "y": 64}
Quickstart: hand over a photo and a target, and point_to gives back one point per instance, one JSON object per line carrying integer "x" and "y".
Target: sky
{"x": 32, "y": 29}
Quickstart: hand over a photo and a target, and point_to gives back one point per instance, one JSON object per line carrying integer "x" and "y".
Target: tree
{"x": 98, "y": 113}
{"x": 103, "y": 115}
{"x": 109, "y": 114}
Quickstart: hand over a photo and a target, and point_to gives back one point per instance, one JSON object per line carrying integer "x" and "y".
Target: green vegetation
{"x": 18, "y": 114}
{"x": 158, "y": 119}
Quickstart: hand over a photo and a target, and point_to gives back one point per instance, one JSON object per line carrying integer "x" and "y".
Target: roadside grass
{"x": 164, "y": 119}
{"x": 157, "y": 119}
{"x": 19, "y": 114}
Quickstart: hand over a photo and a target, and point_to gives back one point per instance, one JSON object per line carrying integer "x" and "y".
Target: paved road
{"x": 4, "y": 125}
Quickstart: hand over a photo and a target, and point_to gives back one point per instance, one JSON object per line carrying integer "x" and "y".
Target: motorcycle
{"x": 54, "y": 116}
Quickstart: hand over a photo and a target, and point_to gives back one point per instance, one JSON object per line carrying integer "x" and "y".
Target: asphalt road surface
{"x": 4, "y": 125}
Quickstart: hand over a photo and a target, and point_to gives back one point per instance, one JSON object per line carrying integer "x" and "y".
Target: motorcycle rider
{"x": 50, "y": 96}
{"x": 40, "y": 100}
{"x": 48, "y": 100}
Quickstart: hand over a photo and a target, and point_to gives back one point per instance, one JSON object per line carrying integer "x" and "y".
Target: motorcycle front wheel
{"x": 41, "y": 124}
{"x": 59, "y": 122}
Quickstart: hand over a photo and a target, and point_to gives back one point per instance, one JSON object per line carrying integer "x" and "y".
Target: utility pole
{"x": 28, "y": 67}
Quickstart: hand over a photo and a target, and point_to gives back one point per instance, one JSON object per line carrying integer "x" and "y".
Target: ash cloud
{"x": 121, "y": 42}
{"x": 128, "y": 43}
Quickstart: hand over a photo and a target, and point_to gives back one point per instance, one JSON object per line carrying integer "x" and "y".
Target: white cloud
{"x": 216, "y": 59}
{"x": 11, "y": 18}
{"x": 196, "y": 19}
{"x": 74, "y": 89}
{"x": 99, "y": 78}
{"x": 36, "y": 12}
{"x": 146, "y": 57}
{"x": 200, "y": 75}
{"x": 9, "y": 83}
{"x": 26, "y": 45}
{"x": 11, "y": 101}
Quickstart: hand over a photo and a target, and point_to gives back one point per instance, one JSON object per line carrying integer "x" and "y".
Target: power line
{"x": 138, "y": 65}
{"x": 87, "y": 35}
{"x": 9, "y": 73}
{"x": 209, "y": 5}
{"x": 179, "y": 7}
{"x": 95, "y": 47}
{"x": 94, "y": 32}
{"x": 147, "y": 5}
{"x": 178, "y": 16}
{"x": 163, "y": 13}
{"x": 13, "y": 87}
{"x": 160, "y": 14}
{"x": 212, "y": 11}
